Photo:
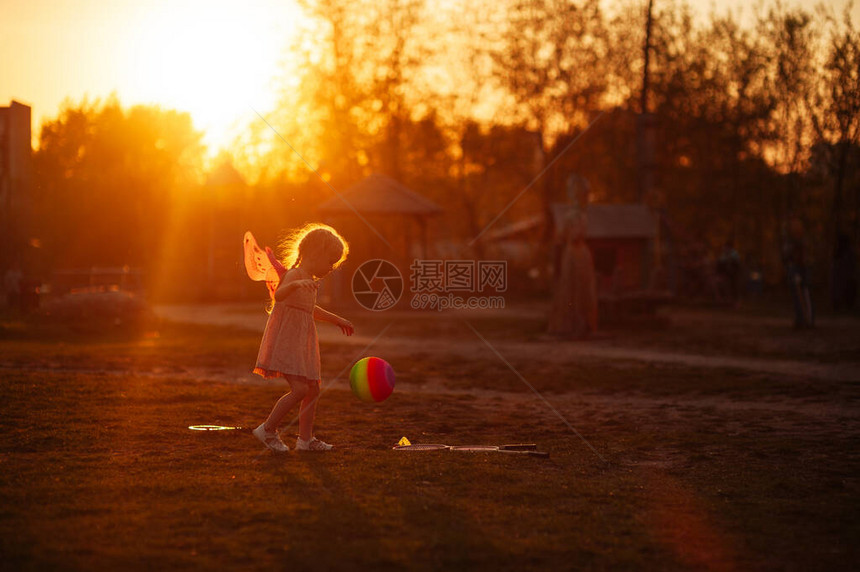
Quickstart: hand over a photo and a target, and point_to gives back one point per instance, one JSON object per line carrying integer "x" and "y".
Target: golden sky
{"x": 204, "y": 57}
{"x": 217, "y": 59}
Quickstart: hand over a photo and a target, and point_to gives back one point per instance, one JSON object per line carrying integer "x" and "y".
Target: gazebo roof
{"x": 380, "y": 194}
{"x": 225, "y": 174}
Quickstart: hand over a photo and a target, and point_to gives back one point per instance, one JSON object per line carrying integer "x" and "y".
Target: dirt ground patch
{"x": 698, "y": 338}
{"x": 706, "y": 461}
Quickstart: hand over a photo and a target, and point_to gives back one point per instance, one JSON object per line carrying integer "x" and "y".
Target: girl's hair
{"x": 313, "y": 240}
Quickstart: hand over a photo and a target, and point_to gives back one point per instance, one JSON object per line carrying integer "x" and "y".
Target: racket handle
{"x": 518, "y": 447}
{"x": 539, "y": 454}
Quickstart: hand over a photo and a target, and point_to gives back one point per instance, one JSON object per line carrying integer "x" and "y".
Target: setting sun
{"x": 213, "y": 59}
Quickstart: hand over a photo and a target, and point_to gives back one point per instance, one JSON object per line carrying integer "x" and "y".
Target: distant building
{"x": 382, "y": 219}
{"x": 16, "y": 185}
{"x": 379, "y": 208}
{"x": 621, "y": 238}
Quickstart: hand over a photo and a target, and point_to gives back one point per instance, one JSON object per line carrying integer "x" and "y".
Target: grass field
{"x": 692, "y": 468}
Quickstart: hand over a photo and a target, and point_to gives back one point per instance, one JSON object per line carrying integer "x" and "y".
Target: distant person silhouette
{"x": 13, "y": 282}
{"x": 574, "y": 311}
{"x": 794, "y": 255}
{"x": 728, "y": 270}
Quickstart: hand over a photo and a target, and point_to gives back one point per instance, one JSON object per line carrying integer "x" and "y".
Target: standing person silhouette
{"x": 797, "y": 273}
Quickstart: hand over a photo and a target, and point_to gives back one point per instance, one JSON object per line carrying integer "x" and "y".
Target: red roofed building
{"x": 621, "y": 238}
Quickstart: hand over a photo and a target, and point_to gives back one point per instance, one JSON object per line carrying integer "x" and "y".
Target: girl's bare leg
{"x": 308, "y": 411}
{"x": 299, "y": 390}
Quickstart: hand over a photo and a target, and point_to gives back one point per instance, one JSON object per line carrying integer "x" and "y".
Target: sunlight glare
{"x": 214, "y": 59}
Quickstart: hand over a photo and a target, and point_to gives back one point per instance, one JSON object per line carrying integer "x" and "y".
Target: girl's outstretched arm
{"x": 325, "y": 316}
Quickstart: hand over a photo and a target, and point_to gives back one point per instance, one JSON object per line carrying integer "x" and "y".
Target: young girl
{"x": 290, "y": 348}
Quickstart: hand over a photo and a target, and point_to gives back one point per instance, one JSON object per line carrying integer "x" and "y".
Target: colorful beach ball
{"x": 371, "y": 379}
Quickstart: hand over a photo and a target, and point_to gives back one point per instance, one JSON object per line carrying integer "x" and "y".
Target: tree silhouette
{"x": 106, "y": 178}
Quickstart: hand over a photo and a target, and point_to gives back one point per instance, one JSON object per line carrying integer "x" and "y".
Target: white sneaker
{"x": 313, "y": 445}
{"x": 270, "y": 439}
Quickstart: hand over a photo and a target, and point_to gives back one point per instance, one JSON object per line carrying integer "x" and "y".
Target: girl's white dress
{"x": 290, "y": 344}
